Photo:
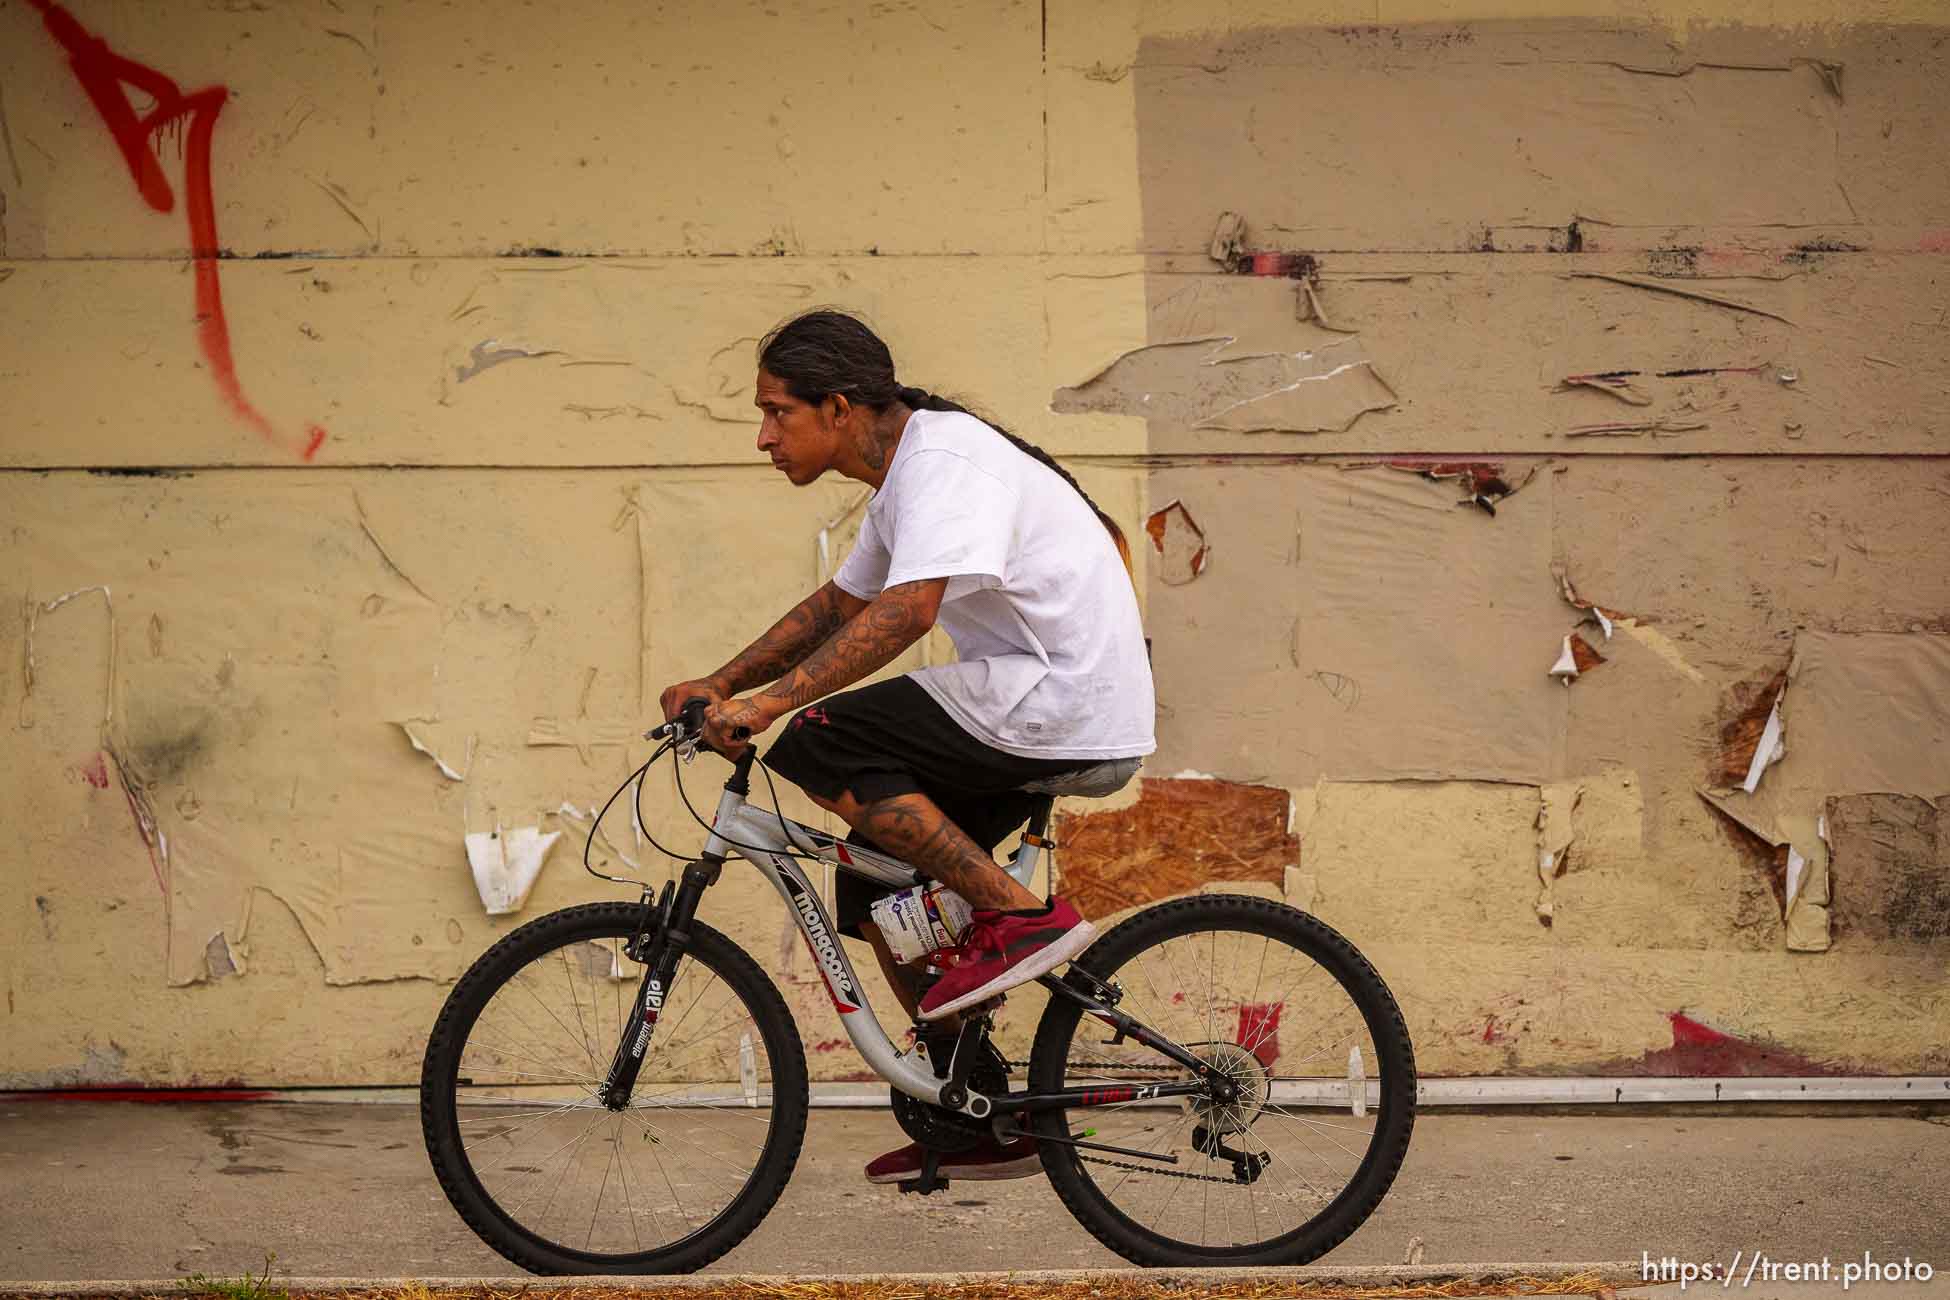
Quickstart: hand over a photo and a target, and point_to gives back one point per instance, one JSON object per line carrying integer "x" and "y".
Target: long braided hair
{"x": 825, "y": 352}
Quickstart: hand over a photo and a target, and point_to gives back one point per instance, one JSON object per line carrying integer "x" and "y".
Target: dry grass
{"x": 1581, "y": 1284}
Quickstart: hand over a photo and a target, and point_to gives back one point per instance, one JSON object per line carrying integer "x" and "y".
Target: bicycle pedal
{"x": 923, "y": 1185}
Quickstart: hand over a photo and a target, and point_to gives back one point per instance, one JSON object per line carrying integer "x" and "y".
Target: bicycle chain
{"x": 1153, "y": 1169}
{"x": 1125, "y": 1164}
{"x": 1103, "y": 1065}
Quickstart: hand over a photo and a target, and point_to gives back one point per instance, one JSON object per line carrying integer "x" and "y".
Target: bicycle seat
{"x": 1093, "y": 782}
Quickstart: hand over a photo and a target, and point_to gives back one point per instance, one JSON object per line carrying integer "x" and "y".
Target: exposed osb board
{"x": 1892, "y": 869}
{"x": 336, "y": 121}
{"x": 1734, "y": 557}
{"x": 1380, "y": 629}
{"x": 1463, "y": 354}
{"x": 1746, "y": 711}
{"x": 1181, "y": 833}
{"x": 1737, "y": 128}
{"x": 1861, "y": 713}
{"x": 498, "y": 362}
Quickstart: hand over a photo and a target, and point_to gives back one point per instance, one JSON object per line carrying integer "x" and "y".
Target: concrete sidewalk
{"x": 117, "y": 1190}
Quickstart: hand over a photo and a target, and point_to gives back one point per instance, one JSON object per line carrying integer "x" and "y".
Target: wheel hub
{"x": 1251, "y": 1088}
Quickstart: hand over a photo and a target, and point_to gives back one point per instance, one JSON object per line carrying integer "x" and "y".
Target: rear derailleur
{"x": 1247, "y": 1166}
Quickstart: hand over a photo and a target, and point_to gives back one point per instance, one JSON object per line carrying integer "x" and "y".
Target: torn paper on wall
{"x": 1571, "y": 597}
{"x": 1771, "y": 748}
{"x": 1222, "y": 381}
{"x": 1180, "y": 543}
{"x": 1797, "y": 839}
{"x": 505, "y": 864}
{"x": 584, "y": 821}
{"x": 1576, "y": 658}
{"x": 1556, "y": 803}
{"x": 413, "y": 729}
{"x": 1483, "y": 482}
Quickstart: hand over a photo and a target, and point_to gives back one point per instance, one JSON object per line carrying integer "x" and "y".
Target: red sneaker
{"x": 1000, "y": 950}
{"x": 988, "y": 1162}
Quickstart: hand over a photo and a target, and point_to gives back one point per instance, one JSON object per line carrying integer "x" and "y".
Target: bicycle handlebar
{"x": 689, "y": 724}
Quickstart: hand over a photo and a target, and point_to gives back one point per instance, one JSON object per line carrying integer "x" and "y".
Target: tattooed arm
{"x": 803, "y": 630}
{"x": 873, "y": 638}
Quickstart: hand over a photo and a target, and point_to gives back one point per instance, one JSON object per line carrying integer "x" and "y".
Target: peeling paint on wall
{"x": 1222, "y": 382}
{"x": 1483, "y": 482}
{"x": 447, "y": 770}
{"x": 1577, "y": 658}
{"x": 1367, "y": 652}
{"x": 1556, "y": 804}
{"x": 1751, "y": 708}
{"x": 1180, "y": 543}
{"x": 505, "y": 862}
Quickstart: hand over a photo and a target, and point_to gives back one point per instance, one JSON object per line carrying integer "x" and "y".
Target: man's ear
{"x": 841, "y": 407}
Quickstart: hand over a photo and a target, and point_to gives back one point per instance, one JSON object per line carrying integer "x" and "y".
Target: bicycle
{"x": 538, "y": 1078}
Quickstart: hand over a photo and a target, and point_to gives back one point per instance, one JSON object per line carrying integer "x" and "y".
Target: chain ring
{"x": 949, "y": 1131}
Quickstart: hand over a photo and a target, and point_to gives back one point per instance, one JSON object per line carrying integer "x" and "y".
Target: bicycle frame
{"x": 767, "y": 840}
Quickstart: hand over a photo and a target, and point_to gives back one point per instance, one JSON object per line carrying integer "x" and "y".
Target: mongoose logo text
{"x": 824, "y": 951}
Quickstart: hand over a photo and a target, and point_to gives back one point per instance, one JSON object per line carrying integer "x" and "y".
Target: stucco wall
{"x": 452, "y": 448}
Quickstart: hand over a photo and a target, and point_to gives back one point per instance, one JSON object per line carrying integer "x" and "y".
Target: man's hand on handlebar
{"x": 730, "y": 724}
{"x": 674, "y": 697}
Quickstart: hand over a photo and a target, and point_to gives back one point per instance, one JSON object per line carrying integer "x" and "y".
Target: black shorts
{"x": 890, "y": 739}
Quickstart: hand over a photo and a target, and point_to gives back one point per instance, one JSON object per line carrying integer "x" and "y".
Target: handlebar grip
{"x": 689, "y": 718}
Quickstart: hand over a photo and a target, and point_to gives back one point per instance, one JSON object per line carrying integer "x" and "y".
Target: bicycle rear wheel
{"x": 1300, "y": 1022}
{"x": 549, "y": 1176}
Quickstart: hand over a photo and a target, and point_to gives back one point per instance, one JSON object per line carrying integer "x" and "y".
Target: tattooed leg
{"x": 913, "y": 829}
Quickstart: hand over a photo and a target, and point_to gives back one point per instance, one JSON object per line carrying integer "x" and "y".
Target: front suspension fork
{"x": 660, "y": 944}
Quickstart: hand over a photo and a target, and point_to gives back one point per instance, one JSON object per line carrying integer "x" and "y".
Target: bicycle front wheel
{"x": 1304, "y": 1027}
{"x": 556, "y": 1181}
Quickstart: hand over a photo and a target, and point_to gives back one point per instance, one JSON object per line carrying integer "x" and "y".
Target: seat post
{"x": 1034, "y": 840}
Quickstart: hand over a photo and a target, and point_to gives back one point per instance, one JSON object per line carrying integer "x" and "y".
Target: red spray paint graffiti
{"x": 95, "y": 772}
{"x": 1259, "y": 1030}
{"x": 103, "y": 75}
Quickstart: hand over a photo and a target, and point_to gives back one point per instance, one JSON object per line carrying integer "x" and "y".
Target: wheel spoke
{"x": 558, "y": 1167}
{"x": 1203, "y": 975}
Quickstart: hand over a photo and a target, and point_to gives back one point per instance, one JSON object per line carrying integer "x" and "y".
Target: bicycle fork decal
{"x": 653, "y": 1005}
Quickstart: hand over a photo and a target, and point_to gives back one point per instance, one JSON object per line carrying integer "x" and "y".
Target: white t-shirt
{"x": 1051, "y": 652}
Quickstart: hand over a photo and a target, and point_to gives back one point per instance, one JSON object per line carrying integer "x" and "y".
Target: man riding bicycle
{"x": 982, "y": 532}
